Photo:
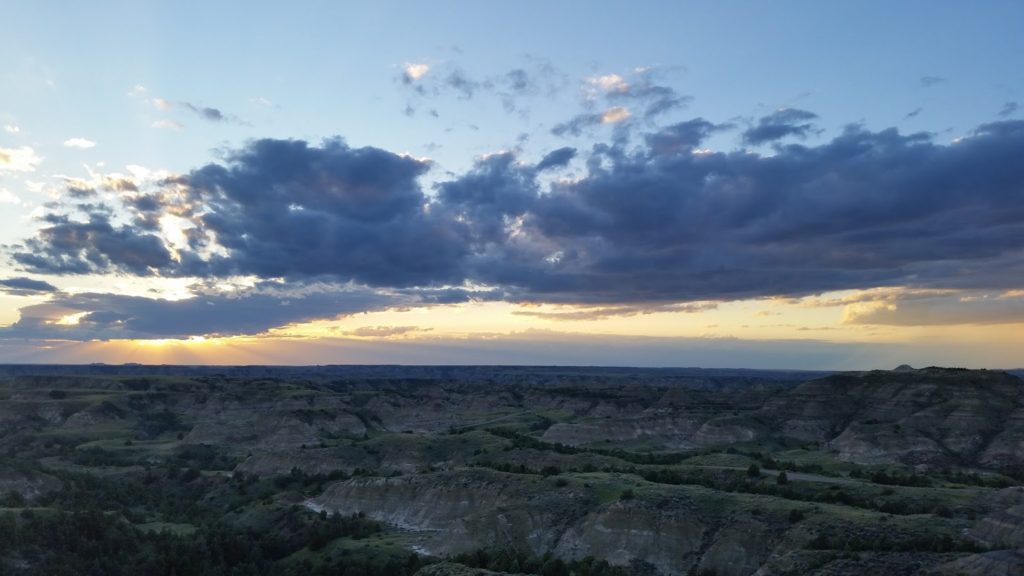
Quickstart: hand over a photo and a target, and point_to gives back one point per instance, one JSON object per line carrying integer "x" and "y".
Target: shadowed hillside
{"x": 389, "y": 470}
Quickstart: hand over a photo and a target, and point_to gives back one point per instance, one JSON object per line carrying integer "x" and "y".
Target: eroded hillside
{"x": 546, "y": 470}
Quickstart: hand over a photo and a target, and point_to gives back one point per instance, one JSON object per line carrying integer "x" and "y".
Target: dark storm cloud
{"x": 780, "y": 124}
{"x": 1008, "y": 109}
{"x": 682, "y": 137}
{"x": 866, "y": 209}
{"x": 556, "y": 158}
{"x": 658, "y": 222}
{"x": 496, "y": 189}
{"x": 110, "y": 316}
{"x": 146, "y": 203}
{"x": 913, "y": 113}
{"x": 26, "y": 286}
{"x": 79, "y": 192}
{"x": 285, "y": 208}
{"x": 66, "y": 246}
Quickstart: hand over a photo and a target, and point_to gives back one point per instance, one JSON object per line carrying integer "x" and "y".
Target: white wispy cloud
{"x": 8, "y": 197}
{"x": 23, "y": 159}
{"x": 11, "y": 128}
{"x": 83, "y": 143}
{"x": 613, "y": 115}
{"x": 160, "y": 103}
{"x": 168, "y": 125}
{"x": 414, "y": 71}
{"x": 608, "y": 83}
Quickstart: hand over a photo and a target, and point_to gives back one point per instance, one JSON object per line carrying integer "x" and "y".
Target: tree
{"x": 782, "y": 478}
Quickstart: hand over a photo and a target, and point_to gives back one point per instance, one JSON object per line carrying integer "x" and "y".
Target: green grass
{"x": 722, "y": 459}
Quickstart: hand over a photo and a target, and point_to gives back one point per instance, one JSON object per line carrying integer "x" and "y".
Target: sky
{"x": 731, "y": 184}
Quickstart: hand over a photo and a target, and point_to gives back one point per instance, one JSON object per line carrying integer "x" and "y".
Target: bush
{"x": 13, "y": 499}
{"x": 754, "y": 471}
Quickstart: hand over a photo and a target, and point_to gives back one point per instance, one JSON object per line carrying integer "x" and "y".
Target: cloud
{"x": 608, "y": 83}
{"x": 1008, "y": 109}
{"x": 286, "y": 208}
{"x": 413, "y": 71}
{"x": 82, "y": 143}
{"x": 913, "y": 113}
{"x": 166, "y": 124}
{"x": 279, "y": 208}
{"x": 937, "y": 309}
{"x": 661, "y": 221}
{"x": 491, "y": 195}
{"x": 65, "y": 246}
{"x": 205, "y": 112}
{"x": 80, "y": 191}
{"x": 8, "y": 197}
{"x": 22, "y": 159}
{"x": 577, "y": 313}
{"x": 462, "y": 84}
{"x": 11, "y": 128}
{"x": 779, "y": 125}
{"x": 91, "y": 316}
{"x": 613, "y": 115}
{"x": 667, "y": 223}
{"x": 384, "y": 331}
{"x": 578, "y": 124}
{"x": 556, "y": 158}
{"x": 682, "y": 137}
{"x": 653, "y": 99}
{"x": 641, "y": 91}
{"x": 930, "y": 81}
{"x": 535, "y": 77}
{"x": 120, "y": 184}
{"x": 26, "y": 286}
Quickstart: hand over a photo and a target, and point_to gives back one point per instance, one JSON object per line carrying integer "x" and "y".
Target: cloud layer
{"x": 656, "y": 219}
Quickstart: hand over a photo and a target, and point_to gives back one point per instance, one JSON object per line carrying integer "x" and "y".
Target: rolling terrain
{"x": 476, "y": 470}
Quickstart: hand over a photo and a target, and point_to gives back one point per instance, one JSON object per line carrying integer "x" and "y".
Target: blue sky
{"x": 142, "y": 91}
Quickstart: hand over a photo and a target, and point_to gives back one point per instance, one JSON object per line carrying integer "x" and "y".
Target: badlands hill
{"x": 463, "y": 470}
